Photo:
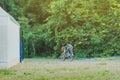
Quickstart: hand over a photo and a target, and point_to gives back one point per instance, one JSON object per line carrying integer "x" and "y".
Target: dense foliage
{"x": 93, "y": 26}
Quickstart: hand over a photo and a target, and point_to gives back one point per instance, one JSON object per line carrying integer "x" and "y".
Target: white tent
{"x": 9, "y": 40}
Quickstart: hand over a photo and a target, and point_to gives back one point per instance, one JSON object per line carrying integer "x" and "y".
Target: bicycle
{"x": 66, "y": 55}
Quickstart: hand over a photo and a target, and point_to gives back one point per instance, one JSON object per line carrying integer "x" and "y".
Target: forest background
{"x": 92, "y": 26}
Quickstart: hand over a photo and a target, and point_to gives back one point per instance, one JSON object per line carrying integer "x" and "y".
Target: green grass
{"x": 58, "y": 70}
{"x": 108, "y": 58}
{"x": 7, "y": 72}
{"x": 102, "y": 63}
{"x": 42, "y": 78}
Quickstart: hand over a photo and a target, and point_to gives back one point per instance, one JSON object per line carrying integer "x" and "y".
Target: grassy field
{"x": 37, "y": 69}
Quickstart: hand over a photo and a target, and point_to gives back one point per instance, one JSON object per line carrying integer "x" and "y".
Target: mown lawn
{"x": 59, "y": 70}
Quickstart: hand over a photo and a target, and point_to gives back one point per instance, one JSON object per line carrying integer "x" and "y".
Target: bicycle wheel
{"x": 71, "y": 57}
{"x": 63, "y": 57}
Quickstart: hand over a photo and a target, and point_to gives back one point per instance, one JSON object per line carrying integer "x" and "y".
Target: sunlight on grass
{"x": 63, "y": 71}
{"x": 108, "y": 58}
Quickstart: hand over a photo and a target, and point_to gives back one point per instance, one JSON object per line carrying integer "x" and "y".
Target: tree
{"x": 91, "y": 25}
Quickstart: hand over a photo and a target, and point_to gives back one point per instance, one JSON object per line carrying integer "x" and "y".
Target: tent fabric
{"x": 2, "y": 12}
{"x": 5, "y": 14}
{"x": 9, "y": 40}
